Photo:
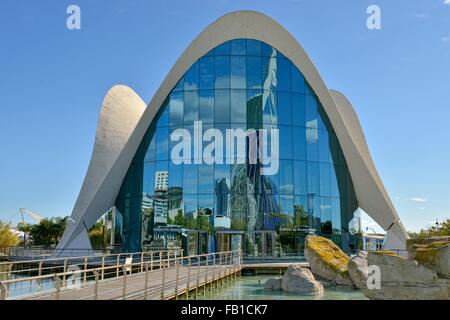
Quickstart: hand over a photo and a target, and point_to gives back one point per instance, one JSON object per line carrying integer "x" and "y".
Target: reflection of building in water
{"x": 161, "y": 197}
{"x": 222, "y": 195}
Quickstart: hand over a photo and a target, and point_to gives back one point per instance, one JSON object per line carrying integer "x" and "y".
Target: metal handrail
{"x": 232, "y": 264}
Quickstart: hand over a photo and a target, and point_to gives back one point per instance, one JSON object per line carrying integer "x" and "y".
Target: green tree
{"x": 26, "y": 229}
{"x": 439, "y": 229}
{"x": 48, "y": 231}
{"x": 7, "y": 237}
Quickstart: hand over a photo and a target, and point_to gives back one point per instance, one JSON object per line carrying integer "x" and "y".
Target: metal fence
{"x": 158, "y": 277}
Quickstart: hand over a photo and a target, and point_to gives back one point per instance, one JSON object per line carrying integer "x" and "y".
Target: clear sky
{"x": 53, "y": 80}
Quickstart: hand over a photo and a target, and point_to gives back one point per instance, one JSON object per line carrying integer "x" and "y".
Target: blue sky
{"x": 53, "y": 80}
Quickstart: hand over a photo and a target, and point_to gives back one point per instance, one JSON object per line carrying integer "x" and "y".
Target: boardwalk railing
{"x": 39, "y": 267}
{"x": 161, "y": 278}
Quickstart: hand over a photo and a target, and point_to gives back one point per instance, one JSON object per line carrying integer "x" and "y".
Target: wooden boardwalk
{"x": 158, "y": 284}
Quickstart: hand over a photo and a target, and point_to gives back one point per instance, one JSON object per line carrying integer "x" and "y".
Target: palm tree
{"x": 26, "y": 229}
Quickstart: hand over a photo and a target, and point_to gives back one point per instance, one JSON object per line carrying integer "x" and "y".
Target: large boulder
{"x": 327, "y": 260}
{"x": 300, "y": 280}
{"x": 273, "y": 284}
{"x": 433, "y": 252}
{"x": 403, "y": 279}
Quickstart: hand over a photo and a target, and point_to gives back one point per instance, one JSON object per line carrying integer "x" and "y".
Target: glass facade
{"x": 216, "y": 201}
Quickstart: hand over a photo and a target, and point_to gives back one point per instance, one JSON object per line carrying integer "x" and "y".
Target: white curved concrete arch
{"x": 370, "y": 192}
{"x": 120, "y": 112}
{"x": 250, "y": 25}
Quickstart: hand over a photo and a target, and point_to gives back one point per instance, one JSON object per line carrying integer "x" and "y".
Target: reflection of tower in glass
{"x": 161, "y": 197}
{"x": 222, "y": 194}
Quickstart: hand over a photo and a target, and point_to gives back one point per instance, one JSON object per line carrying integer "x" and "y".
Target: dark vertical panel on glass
{"x": 162, "y": 144}
{"x": 285, "y": 142}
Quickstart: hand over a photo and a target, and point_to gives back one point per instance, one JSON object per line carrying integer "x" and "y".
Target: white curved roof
{"x": 98, "y": 195}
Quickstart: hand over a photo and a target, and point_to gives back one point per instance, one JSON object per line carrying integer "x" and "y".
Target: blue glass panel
{"x": 285, "y": 142}
{"x": 238, "y": 72}
{"x": 313, "y": 178}
{"x": 269, "y": 101}
{"x": 300, "y": 178}
{"x": 312, "y": 144}
{"x": 205, "y": 179}
{"x": 191, "y": 79}
{"x": 298, "y": 81}
{"x": 287, "y": 206}
{"x": 254, "y": 73}
{"x": 253, "y": 47}
{"x": 238, "y": 106}
{"x": 162, "y": 144}
{"x": 284, "y": 77}
{"x": 190, "y": 181}
{"x": 223, "y": 50}
{"x": 299, "y": 143}
{"x": 326, "y": 215}
{"x": 286, "y": 183}
{"x": 190, "y": 107}
{"x": 324, "y": 147}
{"x": 222, "y": 106}
{"x": 222, "y": 72}
{"x": 284, "y": 108}
{"x": 238, "y": 47}
{"x": 175, "y": 175}
{"x": 269, "y": 69}
{"x": 207, "y": 73}
{"x": 268, "y": 51}
{"x": 311, "y": 112}
{"x": 163, "y": 120}
{"x": 176, "y": 108}
{"x": 298, "y": 110}
{"x": 206, "y": 106}
{"x": 149, "y": 178}
{"x": 324, "y": 173}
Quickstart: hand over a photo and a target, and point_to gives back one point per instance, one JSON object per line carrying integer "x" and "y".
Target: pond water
{"x": 252, "y": 288}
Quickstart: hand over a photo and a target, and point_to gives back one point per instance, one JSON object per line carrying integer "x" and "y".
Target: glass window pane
{"x": 238, "y": 47}
{"x": 191, "y": 78}
{"x": 150, "y": 154}
{"x": 149, "y": 178}
{"x": 286, "y": 184}
{"x": 223, "y": 50}
{"x": 190, "y": 206}
{"x": 334, "y": 186}
{"x": 190, "y": 107}
{"x": 253, "y": 47}
{"x": 176, "y": 108}
{"x": 313, "y": 178}
{"x": 284, "y": 76}
{"x": 206, "y": 106}
{"x": 299, "y": 143}
{"x": 190, "y": 181}
{"x": 287, "y": 207}
{"x": 312, "y": 145}
{"x": 325, "y": 185}
{"x": 284, "y": 108}
{"x": 298, "y": 81}
{"x": 238, "y": 72}
{"x": 175, "y": 175}
{"x": 180, "y": 85}
{"x": 311, "y": 112}
{"x": 207, "y": 73}
{"x": 326, "y": 215}
{"x": 285, "y": 142}
{"x": 269, "y": 69}
{"x": 254, "y": 73}
{"x": 162, "y": 144}
{"x": 238, "y": 106}
{"x": 164, "y": 116}
{"x": 269, "y": 100}
{"x": 222, "y": 106}
{"x": 222, "y": 72}
{"x": 298, "y": 110}
{"x": 268, "y": 51}
{"x": 301, "y": 218}
{"x": 324, "y": 147}
{"x": 300, "y": 178}
{"x": 205, "y": 179}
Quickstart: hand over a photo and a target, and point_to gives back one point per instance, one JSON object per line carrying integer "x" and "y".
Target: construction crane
{"x": 26, "y": 212}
